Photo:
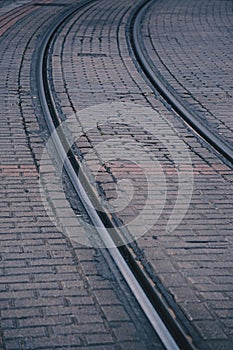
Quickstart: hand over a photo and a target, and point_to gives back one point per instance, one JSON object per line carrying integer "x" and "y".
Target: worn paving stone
{"x": 47, "y": 294}
{"x": 91, "y": 65}
{"x": 193, "y": 54}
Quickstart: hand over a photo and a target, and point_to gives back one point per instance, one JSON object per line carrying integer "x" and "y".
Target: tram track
{"x": 159, "y": 313}
{"x": 145, "y": 65}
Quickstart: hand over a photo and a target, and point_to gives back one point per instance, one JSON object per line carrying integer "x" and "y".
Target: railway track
{"x": 142, "y": 60}
{"x": 157, "y": 310}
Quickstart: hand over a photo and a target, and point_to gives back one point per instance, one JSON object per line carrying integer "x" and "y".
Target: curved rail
{"x": 152, "y": 75}
{"x": 154, "y": 306}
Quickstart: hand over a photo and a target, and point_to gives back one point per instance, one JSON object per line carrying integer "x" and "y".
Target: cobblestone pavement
{"x": 54, "y": 293}
{"x": 13, "y": 5}
{"x": 91, "y": 66}
{"x": 191, "y": 45}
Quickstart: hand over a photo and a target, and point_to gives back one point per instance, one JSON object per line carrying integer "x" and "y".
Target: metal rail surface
{"x": 163, "y": 321}
{"x": 147, "y": 66}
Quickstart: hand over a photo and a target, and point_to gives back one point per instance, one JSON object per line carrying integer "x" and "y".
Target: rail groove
{"x": 150, "y": 71}
{"x": 153, "y": 304}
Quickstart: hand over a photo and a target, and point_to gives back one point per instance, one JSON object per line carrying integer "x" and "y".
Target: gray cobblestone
{"x": 190, "y": 261}
{"x": 197, "y": 72}
{"x": 48, "y": 301}
{"x": 203, "y": 264}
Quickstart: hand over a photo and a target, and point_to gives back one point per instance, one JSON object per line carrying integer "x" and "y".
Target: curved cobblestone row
{"x": 91, "y": 65}
{"x": 55, "y": 294}
{"x": 9, "y": 5}
{"x": 191, "y": 46}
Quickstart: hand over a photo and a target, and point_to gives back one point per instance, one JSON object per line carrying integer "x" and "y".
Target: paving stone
{"x": 202, "y": 275}
{"x": 199, "y": 262}
{"x": 210, "y": 329}
{"x": 48, "y": 301}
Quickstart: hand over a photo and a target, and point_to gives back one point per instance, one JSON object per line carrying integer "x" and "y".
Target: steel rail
{"x": 148, "y": 298}
{"x": 147, "y": 66}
